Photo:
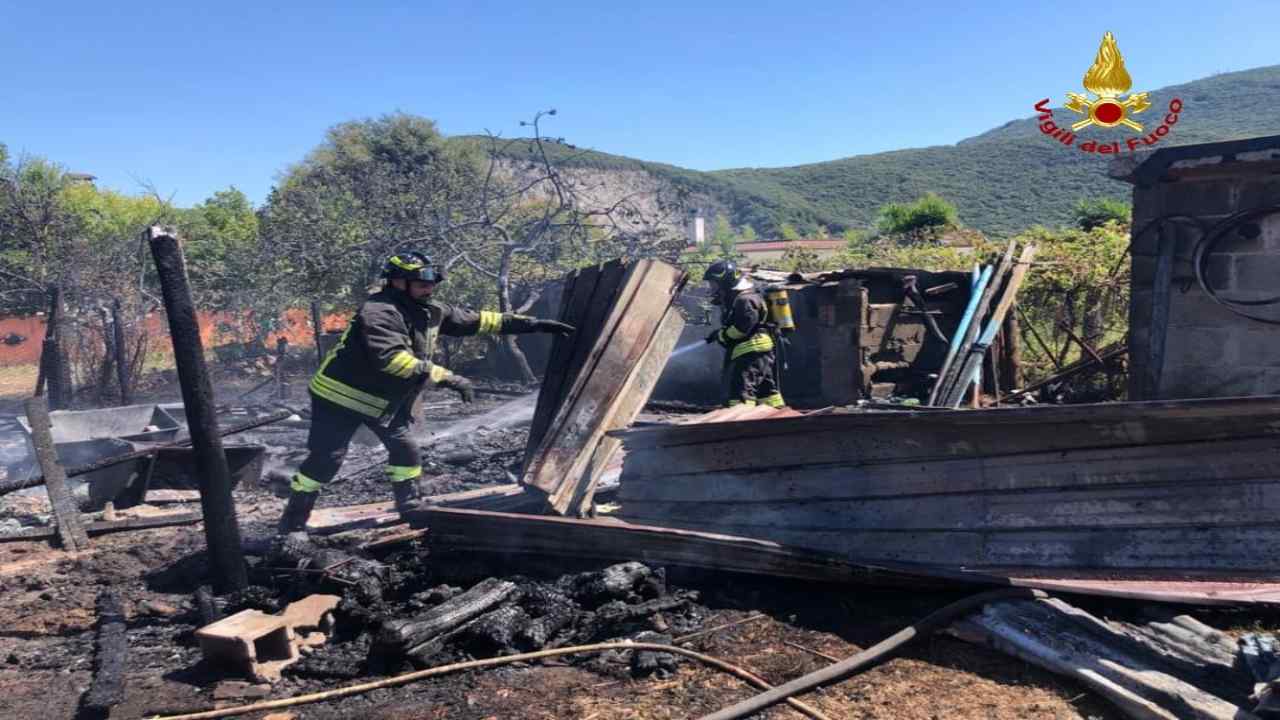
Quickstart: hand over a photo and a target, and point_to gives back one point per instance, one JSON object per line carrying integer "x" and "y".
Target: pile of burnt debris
{"x": 391, "y": 616}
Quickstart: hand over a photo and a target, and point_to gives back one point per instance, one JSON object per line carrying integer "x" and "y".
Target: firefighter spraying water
{"x": 751, "y": 335}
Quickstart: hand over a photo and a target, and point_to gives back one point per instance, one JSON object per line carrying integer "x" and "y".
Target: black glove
{"x": 552, "y": 326}
{"x": 461, "y": 385}
{"x": 713, "y": 337}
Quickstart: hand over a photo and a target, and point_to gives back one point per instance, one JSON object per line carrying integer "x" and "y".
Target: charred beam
{"x": 110, "y": 658}
{"x": 64, "y": 508}
{"x": 222, "y": 531}
{"x": 401, "y": 637}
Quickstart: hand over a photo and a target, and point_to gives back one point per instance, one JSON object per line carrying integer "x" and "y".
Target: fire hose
{"x": 406, "y": 678}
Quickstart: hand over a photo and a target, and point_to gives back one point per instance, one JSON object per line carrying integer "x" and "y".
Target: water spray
{"x": 687, "y": 348}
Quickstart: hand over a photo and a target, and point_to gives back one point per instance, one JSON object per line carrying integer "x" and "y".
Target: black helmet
{"x": 412, "y": 265}
{"x": 724, "y": 273}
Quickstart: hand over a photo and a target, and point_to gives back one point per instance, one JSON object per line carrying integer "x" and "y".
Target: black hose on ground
{"x": 832, "y": 673}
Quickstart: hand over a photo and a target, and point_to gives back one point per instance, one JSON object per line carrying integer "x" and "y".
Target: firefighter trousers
{"x": 752, "y": 380}
{"x": 333, "y": 427}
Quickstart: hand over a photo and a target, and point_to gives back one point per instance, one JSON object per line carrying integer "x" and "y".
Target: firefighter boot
{"x": 297, "y": 511}
{"x": 406, "y": 494}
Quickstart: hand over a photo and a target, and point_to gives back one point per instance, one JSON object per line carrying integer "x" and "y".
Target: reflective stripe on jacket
{"x": 745, "y": 330}
{"x": 384, "y": 355}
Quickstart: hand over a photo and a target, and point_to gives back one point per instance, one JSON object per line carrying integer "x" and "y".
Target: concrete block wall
{"x": 1209, "y": 351}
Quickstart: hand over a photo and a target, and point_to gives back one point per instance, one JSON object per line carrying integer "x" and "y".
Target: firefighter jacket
{"x": 384, "y": 355}
{"x": 746, "y": 327}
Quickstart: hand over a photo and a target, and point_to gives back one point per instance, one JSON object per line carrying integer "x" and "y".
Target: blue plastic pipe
{"x": 969, "y": 311}
{"x": 980, "y": 346}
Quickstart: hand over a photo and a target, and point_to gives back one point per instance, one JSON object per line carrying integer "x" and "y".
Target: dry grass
{"x": 17, "y": 380}
{"x": 939, "y": 678}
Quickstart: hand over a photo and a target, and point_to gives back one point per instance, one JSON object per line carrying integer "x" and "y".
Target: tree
{"x": 748, "y": 234}
{"x": 372, "y": 187}
{"x": 56, "y": 233}
{"x": 798, "y": 258}
{"x": 501, "y": 216}
{"x": 915, "y": 219}
{"x": 226, "y": 259}
{"x": 38, "y": 232}
{"x": 853, "y": 237}
{"x": 533, "y": 221}
{"x": 1080, "y": 286}
{"x": 723, "y": 236}
{"x": 1094, "y": 213}
{"x": 788, "y": 232}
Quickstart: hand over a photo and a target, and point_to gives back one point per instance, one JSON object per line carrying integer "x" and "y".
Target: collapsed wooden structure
{"x": 867, "y": 333}
{"x": 600, "y": 377}
{"x": 1180, "y": 487}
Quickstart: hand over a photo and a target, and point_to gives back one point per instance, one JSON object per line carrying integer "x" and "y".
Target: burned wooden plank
{"x": 1138, "y": 678}
{"x": 1243, "y": 548}
{"x": 327, "y": 521}
{"x": 590, "y": 305}
{"x": 103, "y": 527}
{"x": 592, "y": 405}
{"x": 1183, "y": 486}
{"x": 971, "y": 361}
{"x": 998, "y": 431}
{"x": 647, "y": 479}
{"x": 1080, "y": 510}
{"x": 627, "y": 402}
{"x": 403, "y": 636}
{"x": 110, "y": 659}
{"x": 66, "y": 514}
{"x": 576, "y": 297}
{"x": 952, "y": 367}
{"x": 518, "y": 539}
{"x": 513, "y": 535}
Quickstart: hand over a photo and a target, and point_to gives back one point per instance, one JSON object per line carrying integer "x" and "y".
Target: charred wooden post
{"x": 1011, "y": 358}
{"x": 107, "y": 369}
{"x": 64, "y": 508}
{"x": 54, "y": 372}
{"x": 60, "y": 384}
{"x": 42, "y": 374}
{"x": 222, "y": 530}
{"x": 110, "y": 658}
{"x": 317, "y": 326}
{"x": 122, "y": 355}
{"x": 282, "y": 348}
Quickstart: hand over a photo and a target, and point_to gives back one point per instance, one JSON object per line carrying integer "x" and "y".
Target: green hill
{"x": 1002, "y": 181}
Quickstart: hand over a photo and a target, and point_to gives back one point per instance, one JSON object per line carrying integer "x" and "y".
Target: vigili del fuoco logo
{"x": 1108, "y": 81}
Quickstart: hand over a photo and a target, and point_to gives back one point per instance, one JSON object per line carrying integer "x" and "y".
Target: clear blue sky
{"x": 230, "y": 93}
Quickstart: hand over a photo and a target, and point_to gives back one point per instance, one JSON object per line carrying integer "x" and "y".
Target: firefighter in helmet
{"x": 373, "y": 375}
{"x": 749, "y": 345}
